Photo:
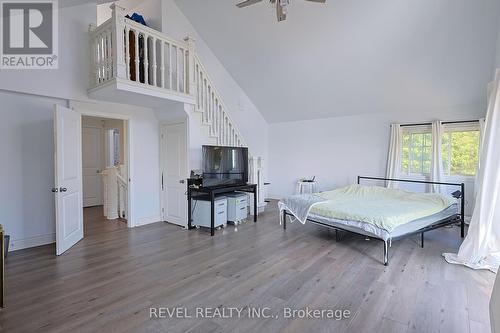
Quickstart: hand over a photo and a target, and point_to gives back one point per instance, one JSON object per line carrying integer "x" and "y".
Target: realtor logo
{"x": 29, "y": 34}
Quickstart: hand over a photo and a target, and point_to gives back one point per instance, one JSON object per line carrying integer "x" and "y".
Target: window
{"x": 417, "y": 152}
{"x": 460, "y": 150}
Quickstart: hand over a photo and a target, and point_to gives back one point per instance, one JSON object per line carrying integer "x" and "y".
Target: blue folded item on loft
{"x": 137, "y": 18}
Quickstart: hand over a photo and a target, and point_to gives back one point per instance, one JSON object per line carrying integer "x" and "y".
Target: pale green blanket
{"x": 383, "y": 207}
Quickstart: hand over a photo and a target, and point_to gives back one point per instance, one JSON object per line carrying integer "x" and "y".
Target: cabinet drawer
{"x": 221, "y": 207}
{"x": 221, "y": 217}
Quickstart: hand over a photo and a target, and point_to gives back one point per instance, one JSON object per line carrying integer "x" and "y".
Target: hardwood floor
{"x": 109, "y": 281}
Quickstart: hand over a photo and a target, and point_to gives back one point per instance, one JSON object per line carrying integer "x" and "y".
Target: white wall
{"x": 497, "y": 56}
{"x": 337, "y": 150}
{"x": 27, "y": 168}
{"x": 70, "y": 81}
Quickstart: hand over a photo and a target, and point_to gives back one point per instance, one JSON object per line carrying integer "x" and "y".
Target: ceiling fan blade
{"x": 280, "y": 12}
{"x": 247, "y": 3}
{"x": 320, "y": 1}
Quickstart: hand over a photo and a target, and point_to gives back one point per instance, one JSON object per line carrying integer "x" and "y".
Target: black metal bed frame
{"x": 457, "y": 218}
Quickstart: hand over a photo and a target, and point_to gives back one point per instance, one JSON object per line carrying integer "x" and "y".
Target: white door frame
{"x": 128, "y": 150}
{"x": 163, "y": 157}
{"x": 101, "y": 153}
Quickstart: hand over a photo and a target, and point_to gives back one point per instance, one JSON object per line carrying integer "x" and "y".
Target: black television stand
{"x": 196, "y": 191}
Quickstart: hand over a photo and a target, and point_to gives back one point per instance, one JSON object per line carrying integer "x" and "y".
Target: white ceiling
{"x": 353, "y": 56}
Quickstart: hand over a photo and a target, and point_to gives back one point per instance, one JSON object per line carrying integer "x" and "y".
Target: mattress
{"x": 372, "y": 230}
{"x": 385, "y": 208}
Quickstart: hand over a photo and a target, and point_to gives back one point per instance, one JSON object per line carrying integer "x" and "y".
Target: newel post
{"x": 118, "y": 20}
{"x": 93, "y": 71}
{"x": 191, "y": 71}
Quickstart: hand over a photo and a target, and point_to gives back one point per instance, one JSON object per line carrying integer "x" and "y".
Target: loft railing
{"x": 122, "y": 49}
{"x": 126, "y": 50}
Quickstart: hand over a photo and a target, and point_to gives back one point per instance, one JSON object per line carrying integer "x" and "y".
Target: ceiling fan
{"x": 281, "y": 6}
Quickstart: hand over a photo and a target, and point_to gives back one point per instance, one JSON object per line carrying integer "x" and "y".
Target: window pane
{"x": 464, "y": 153}
{"x": 427, "y": 166}
{"x": 405, "y": 161}
{"x": 416, "y": 166}
{"x": 445, "y": 149}
{"x": 416, "y": 154}
{"x": 417, "y": 139}
{"x": 406, "y": 140}
{"x": 405, "y": 158}
{"x": 428, "y": 139}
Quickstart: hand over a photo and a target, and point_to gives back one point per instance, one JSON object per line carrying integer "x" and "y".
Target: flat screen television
{"x": 224, "y": 166}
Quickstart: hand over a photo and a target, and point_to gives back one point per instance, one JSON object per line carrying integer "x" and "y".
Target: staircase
{"x": 209, "y": 103}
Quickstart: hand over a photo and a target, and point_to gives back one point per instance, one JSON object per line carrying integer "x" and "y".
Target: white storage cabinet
{"x": 237, "y": 207}
{"x": 201, "y": 212}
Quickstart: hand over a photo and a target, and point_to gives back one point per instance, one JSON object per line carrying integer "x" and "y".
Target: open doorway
{"x": 104, "y": 174}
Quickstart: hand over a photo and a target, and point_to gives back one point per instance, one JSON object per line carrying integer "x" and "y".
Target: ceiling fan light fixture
{"x": 281, "y": 6}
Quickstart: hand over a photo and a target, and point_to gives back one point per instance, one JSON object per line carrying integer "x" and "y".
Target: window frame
{"x": 417, "y": 129}
{"x": 460, "y": 127}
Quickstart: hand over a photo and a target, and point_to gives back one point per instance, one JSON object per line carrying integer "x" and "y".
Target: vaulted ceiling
{"x": 353, "y": 56}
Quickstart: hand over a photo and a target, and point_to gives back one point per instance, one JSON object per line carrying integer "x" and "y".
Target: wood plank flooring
{"x": 109, "y": 281}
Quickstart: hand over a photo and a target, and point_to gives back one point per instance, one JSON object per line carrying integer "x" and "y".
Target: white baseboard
{"x": 19, "y": 244}
{"x": 147, "y": 220}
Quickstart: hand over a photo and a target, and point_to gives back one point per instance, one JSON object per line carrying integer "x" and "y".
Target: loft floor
{"x": 110, "y": 279}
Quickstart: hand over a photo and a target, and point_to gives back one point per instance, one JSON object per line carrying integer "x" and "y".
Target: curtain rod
{"x": 444, "y": 123}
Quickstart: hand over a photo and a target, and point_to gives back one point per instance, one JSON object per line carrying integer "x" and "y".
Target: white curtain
{"x": 481, "y": 247}
{"x": 436, "y": 158}
{"x": 394, "y": 158}
{"x": 482, "y": 123}
{"x": 482, "y": 127}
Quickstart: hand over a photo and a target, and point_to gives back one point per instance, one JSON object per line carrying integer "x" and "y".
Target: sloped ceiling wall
{"x": 354, "y": 56}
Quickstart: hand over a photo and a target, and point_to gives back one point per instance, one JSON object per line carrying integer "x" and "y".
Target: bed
{"x": 378, "y": 212}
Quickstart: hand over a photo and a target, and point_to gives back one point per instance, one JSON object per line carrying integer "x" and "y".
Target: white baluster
{"x": 177, "y": 68}
{"x": 109, "y": 67}
{"x": 198, "y": 92}
{"x": 209, "y": 105}
{"x": 216, "y": 115}
{"x": 153, "y": 68}
{"x": 127, "y": 52}
{"x": 146, "y": 61}
{"x": 219, "y": 122}
{"x": 137, "y": 62}
{"x": 205, "y": 100}
{"x": 170, "y": 70}
{"x": 181, "y": 71}
{"x": 162, "y": 67}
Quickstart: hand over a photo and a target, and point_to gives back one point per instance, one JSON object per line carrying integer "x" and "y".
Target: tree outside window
{"x": 460, "y": 152}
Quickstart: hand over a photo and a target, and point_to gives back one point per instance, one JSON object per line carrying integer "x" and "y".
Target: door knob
{"x": 182, "y": 181}
{"x": 63, "y": 189}
{"x": 98, "y": 171}
{"x": 54, "y": 190}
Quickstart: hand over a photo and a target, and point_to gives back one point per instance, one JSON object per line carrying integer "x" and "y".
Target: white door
{"x": 91, "y": 161}
{"x": 174, "y": 173}
{"x": 68, "y": 178}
